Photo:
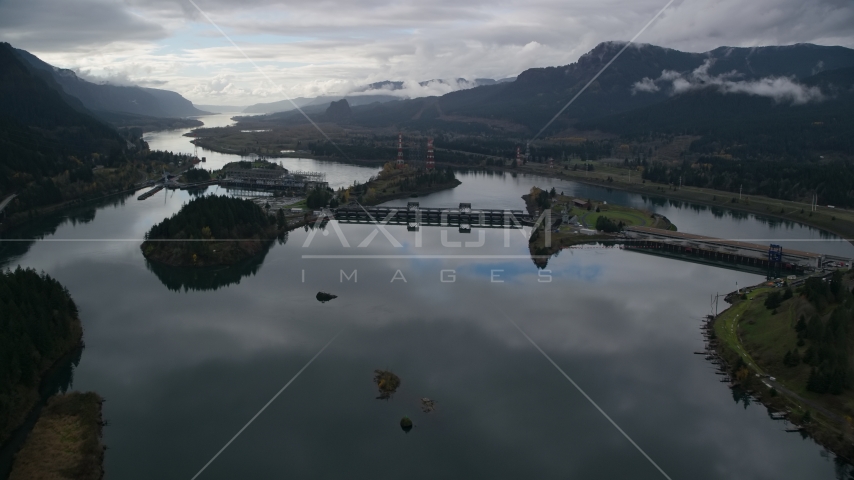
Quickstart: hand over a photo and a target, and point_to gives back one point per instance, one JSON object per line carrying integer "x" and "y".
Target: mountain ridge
{"x": 44, "y": 133}
{"x": 378, "y": 95}
{"x": 149, "y": 102}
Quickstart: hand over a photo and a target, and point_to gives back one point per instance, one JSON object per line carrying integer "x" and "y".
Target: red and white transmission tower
{"x": 431, "y": 163}
{"x": 399, "y": 150}
{"x": 518, "y": 157}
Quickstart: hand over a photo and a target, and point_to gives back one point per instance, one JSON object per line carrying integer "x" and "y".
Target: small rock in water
{"x": 427, "y": 405}
{"x": 324, "y": 297}
{"x": 387, "y": 383}
{"x": 406, "y": 424}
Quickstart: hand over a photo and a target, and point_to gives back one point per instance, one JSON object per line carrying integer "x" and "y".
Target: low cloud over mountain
{"x": 303, "y": 46}
{"x": 781, "y": 89}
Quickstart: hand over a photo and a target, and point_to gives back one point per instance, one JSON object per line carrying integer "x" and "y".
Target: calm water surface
{"x": 337, "y": 174}
{"x": 186, "y": 358}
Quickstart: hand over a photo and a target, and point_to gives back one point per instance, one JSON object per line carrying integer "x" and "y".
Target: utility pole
{"x": 739, "y": 192}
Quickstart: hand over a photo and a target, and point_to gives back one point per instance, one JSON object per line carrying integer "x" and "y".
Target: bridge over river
{"x": 414, "y": 216}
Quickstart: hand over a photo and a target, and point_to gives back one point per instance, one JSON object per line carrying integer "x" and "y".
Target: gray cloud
{"x": 122, "y": 78}
{"x": 73, "y": 25}
{"x": 645, "y": 85}
{"x": 306, "y": 46}
{"x": 414, "y": 89}
{"x": 781, "y": 89}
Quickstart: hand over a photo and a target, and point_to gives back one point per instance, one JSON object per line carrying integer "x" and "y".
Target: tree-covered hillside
{"x": 38, "y": 325}
{"x": 150, "y": 102}
{"x": 538, "y": 94}
{"x": 28, "y": 98}
{"x": 753, "y": 144}
{"x": 748, "y": 126}
{"x": 44, "y": 134}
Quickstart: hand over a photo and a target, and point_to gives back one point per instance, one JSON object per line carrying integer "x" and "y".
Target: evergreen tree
{"x": 281, "y": 221}
{"x": 38, "y": 324}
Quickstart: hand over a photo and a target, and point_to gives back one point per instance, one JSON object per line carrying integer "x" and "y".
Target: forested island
{"x": 38, "y": 327}
{"x": 794, "y": 345}
{"x": 392, "y": 183}
{"x": 213, "y": 230}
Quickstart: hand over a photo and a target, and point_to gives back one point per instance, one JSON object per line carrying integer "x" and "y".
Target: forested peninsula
{"x": 213, "y": 230}
{"x": 38, "y": 326}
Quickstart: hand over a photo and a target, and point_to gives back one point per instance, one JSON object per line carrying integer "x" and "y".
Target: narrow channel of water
{"x": 337, "y": 174}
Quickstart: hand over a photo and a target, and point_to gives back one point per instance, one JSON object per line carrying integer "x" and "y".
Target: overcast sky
{"x": 312, "y": 47}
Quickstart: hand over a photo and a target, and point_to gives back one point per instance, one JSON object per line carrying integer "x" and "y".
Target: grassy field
{"x": 615, "y": 215}
{"x": 836, "y": 220}
{"x": 768, "y": 336}
{"x": 568, "y": 235}
{"x": 65, "y": 442}
{"x": 729, "y": 329}
{"x": 618, "y": 213}
{"x": 261, "y": 139}
{"x": 761, "y": 337}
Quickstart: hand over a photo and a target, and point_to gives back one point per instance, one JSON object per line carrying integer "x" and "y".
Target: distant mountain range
{"x": 539, "y": 93}
{"x": 149, "y": 102}
{"x": 644, "y": 76}
{"x": 321, "y": 102}
{"x": 788, "y": 103}
{"x": 221, "y": 108}
{"x": 460, "y": 83}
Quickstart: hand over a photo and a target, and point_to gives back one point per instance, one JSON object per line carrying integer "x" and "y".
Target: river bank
{"x": 24, "y": 398}
{"x": 108, "y": 182}
{"x": 159, "y": 355}
{"x": 835, "y": 220}
{"x": 382, "y": 198}
{"x": 41, "y": 338}
{"x": 65, "y": 442}
{"x": 755, "y": 342}
{"x": 576, "y": 221}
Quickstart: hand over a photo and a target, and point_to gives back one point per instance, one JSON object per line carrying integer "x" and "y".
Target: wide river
{"x": 186, "y": 358}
